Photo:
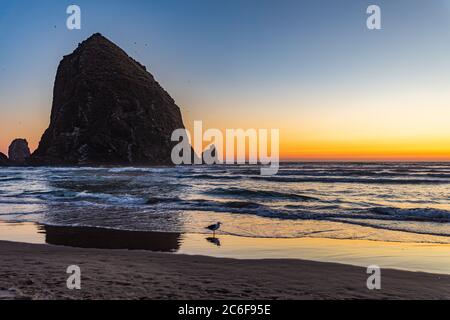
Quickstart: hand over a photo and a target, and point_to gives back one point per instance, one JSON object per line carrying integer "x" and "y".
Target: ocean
{"x": 399, "y": 202}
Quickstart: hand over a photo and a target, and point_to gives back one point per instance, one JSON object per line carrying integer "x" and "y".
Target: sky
{"x": 312, "y": 69}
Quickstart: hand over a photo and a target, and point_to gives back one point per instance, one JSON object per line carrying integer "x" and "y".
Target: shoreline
{"x": 356, "y": 252}
{"x": 37, "y": 271}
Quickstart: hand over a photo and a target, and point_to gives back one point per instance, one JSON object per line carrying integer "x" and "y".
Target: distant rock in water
{"x": 107, "y": 109}
{"x": 19, "y": 151}
{"x": 4, "y": 161}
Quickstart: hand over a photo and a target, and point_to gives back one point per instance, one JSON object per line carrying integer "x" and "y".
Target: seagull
{"x": 214, "y": 227}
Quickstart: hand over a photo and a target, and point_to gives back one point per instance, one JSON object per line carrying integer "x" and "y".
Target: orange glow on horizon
{"x": 367, "y": 150}
{"x": 291, "y": 148}
{"x": 330, "y": 137}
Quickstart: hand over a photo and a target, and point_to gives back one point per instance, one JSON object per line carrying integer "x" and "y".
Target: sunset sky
{"x": 336, "y": 90}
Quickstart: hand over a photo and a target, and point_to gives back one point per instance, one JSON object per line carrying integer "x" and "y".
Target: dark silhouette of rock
{"x": 18, "y": 151}
{"x": 107, "y": 109}
{"x": 4, "y": 161}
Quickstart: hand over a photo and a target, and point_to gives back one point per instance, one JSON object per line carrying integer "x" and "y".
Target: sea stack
{"x": 19, "y": 151}
{"x": 107, "y": 110}
{"x": 4, "y": 160}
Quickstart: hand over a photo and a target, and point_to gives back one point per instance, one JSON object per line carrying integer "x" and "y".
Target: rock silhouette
{"x": 4, "y": 160}
{"x": 107, "y": 109}
{"x": 19, "y": 151}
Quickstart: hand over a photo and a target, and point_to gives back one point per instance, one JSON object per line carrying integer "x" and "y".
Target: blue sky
{"x": 282, "y": 64}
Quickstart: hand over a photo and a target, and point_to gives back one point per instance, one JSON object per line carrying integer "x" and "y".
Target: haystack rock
{"x": 107, "y": 109}
{"x": 19, "y": 151}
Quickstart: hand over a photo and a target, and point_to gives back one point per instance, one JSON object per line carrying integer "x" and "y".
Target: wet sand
{"x": 408, "y": 256}
{"x": 36, "y": 271}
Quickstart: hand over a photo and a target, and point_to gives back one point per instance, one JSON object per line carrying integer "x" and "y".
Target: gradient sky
{"x": 335, "y": 89}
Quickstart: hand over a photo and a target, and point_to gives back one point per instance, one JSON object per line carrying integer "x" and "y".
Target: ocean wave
{"x": 211, "y": 177}
{"x": 17, "y": 201}
{"x": 364, "y": 194}
{"x": 69, "y": 169}
{"x": 134, "y": 169}
{"x": 122, "y": 199}
{"x": 416, "y": 214}
{"x": 330, "y": 212}
{"x": 76, "y": 197}
{"x": 242, "y": 207}
{"x": 377, "y": 224}
{"x": 157, "y": 200}
{"x": 7, "y": 179}
{"x": 263, "y": 194}
{"x": 350, "y": 180}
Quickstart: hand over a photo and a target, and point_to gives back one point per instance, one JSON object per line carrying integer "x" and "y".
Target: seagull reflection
{"x": 214, "y": 240}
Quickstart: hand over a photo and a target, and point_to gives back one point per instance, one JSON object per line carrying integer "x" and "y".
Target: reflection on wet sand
{"x": 397, "y": 255}
{"x": 214, "y": 240}
{"x": 100, "y": 238}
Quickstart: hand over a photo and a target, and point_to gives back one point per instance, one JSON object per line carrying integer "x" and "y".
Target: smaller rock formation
{"x": 3, "y": 160}
{"x": 18, "y": 151}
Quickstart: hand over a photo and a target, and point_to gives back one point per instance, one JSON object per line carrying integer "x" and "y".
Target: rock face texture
{"x": 107, "y": 109}
{"x": 18, "y": 151}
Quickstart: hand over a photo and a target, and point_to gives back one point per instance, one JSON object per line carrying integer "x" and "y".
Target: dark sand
{"x": 30, "y": 271}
